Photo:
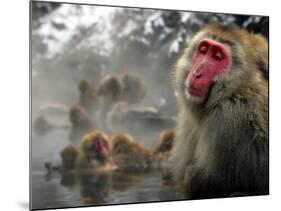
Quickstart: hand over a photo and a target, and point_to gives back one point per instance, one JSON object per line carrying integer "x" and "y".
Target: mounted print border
{"x": 137, "y": 105}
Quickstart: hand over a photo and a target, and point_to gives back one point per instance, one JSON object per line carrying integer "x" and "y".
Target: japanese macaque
{"x": 137, "y": 120}
{"x": 110, "y": 91}
{"x": 88, "y": 97}
{"x": 221, "y": 144}
{"x": 110, "y": 88}
{"x": 94, "y": 154}
{"x": 129, "y": 154}
{"x": 69, "y": 157}
{"x": 162, "y": 154}
{"x": 134, "y": 89}
{"x": 42, "y": 126}
{"x": 164, "y": 144}
{"x": 79, "y": 118}
{"x": 80, "y": 122}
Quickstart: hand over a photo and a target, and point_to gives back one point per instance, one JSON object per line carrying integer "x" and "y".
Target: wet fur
{"x": 129, "y": 154}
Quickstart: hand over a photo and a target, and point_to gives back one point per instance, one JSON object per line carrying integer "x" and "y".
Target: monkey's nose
{"x": 197, "y": 75}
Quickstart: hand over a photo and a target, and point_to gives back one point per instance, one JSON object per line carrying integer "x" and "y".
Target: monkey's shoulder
{"x": 241, "y": 117}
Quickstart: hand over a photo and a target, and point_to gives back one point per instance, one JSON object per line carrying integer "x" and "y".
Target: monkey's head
{"x": 84, "y": 85}
{"x": 121, "y": 143}
{"x": 110, "y": 87}
{"x": 134, "y": 88}
{"x": 41, "y": 125}
{"x": 217, "y": 62}
{"x": 69, "y": 156}
{"x": 94, "y": 146}
{"x": 78, "y": 116}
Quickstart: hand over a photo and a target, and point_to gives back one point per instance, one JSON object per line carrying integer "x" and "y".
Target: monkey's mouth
{"x": 196, "y": 92}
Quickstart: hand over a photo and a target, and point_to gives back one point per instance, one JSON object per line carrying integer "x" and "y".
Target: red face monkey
{"x": 221, "y": 143}
{"x": 95, "y": 155}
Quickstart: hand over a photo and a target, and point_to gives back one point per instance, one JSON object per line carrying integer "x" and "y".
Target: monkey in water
{"x": 42, "y": 126}
{"x": 221, "y": 145}
{"x": 134, "y": 89}
{"x": 109, "y": 90}
{"x": 94, "y": 154}
{"x": 164, "y": 144}
{"x": 69, "y": 157}
{"x": 129, "y": 154}
{"x": 80, "y": 123}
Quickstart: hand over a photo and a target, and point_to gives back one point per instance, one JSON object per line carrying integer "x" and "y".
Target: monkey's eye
{"x": 203, "y": 49}
{"x": 218, "y": 55}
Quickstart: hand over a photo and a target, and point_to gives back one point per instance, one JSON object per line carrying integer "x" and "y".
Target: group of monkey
{"x": 220, "y": 145}
{"x": 102, "y": 151}
{"x": 100, "y": 154}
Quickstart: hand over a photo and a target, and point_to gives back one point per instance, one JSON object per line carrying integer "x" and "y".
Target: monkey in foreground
{"x": 134, "y": 90}
{"x": 94, "y": 167}
{"x": 164, "y": 144}
{"x": 129, "y": 154}
{"x": 221, "y": 143}
{"x": 94, "y": 156}
{"x": 88, "y": 97}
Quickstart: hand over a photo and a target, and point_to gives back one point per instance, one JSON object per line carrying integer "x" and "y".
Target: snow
{"x": 73, "y": 18}
{"x": 154, "y": 20}
{"x": 175, "y": 46}
{"x": 185, "y": 16}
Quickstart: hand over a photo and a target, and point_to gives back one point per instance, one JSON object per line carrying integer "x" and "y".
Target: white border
{"x": 15, "y": 103}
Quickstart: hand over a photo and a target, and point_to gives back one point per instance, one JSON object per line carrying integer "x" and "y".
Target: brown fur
{"x": 69, "y": 157}
{"x": 79, "y": 118}
{"x": 110, "y": 88}
{"x": 164, "y": 144}
{"x": 129, "y": 154}
{"x": 134, "y": 89}
{"x": 88, "y": 97}
{"x": 110, "y": 91}
{"x": 90, "y": 158}
{"x": 42, "y": 125}
{"x": 222, "y": 143}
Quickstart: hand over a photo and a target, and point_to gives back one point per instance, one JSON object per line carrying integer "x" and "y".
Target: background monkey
{"x": 69, "y": 157}
{"x": 222, "y": 131}
{"x": 88, "y": 97}
{"x": 164, "y": 144}
{"x": 130, "y": 155}
{"x": 134, "y": 89}
{"x": 110, "y": 91}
